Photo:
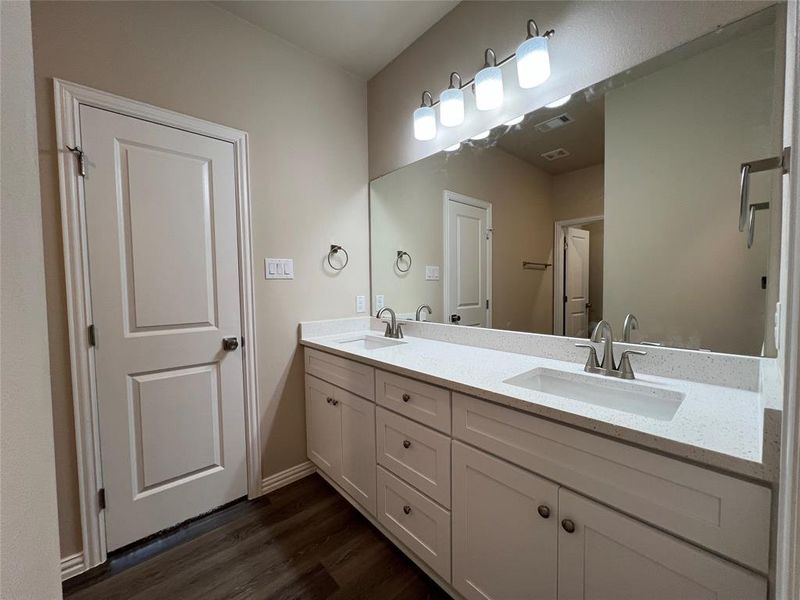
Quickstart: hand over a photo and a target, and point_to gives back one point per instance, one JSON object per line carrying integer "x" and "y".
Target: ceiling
{"x": 361, "y": 36}
{"x": 583, "y": 138}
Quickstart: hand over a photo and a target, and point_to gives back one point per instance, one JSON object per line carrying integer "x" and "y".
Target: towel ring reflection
{"x": 335, "y": 249}
{"x": 400, "y": 255}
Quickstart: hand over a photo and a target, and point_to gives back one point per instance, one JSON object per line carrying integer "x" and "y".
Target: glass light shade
{"x": 453, "y": 148}
{"x": 533, "y": 62}
{"x": 451, "y": 107}
{"x": 424, "y": 123}
{"x": 481, "y": 136}
{"x": 559, "y": 102}
{"x": 489, "y": 88}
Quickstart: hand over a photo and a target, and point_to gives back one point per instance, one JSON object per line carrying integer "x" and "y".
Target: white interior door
{"x": 576, "y": 283}
{"x": 161, "y": 228}
{"x": 467, "y": 247}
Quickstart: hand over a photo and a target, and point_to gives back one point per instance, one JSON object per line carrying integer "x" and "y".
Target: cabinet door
{"x": 603, "y": 554}
{"x": 503, "y": 546}
{"x": 323, "y": 427}
{"x": 358, "y": 466}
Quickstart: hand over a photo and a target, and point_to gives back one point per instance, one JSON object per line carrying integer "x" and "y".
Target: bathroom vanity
{"x": 497, "y": 475}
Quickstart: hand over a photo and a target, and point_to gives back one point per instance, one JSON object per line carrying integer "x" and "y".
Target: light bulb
{"x": 489, "y": 88}
{"x": 559, "y": 102}
{"x": 481, "y": 136}
{"x": 533, "y": 62}
{"x": 453, "y": 148}
{"x": 451, "y": 107}
{"x": 514, "y": 121}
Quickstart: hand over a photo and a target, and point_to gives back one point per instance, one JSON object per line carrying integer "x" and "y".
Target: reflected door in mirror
{"x": 576, "y": 283}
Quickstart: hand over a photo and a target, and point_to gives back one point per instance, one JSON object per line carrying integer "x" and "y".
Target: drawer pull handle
{"x": 568, "y": 525}
{"x": 406, "y": 444}
{"x": 406, "y": 397}
{"x": 544, "y": 511}
{"x": 407, "y": 509}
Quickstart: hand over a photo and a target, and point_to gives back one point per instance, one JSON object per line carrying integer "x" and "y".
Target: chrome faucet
{"x": 393, "y": 328}
{"x": 422, "y": 307}
{"x": 631, "y": 323}
{"x": 603, "y": 333}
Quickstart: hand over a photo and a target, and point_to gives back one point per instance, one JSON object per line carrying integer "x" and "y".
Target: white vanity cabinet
{"x": 340, "y": 438}
{"x": 499, "y": 504}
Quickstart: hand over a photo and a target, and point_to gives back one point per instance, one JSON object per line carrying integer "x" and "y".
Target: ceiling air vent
{"x": 554, "y": 123}
{"x": 555, "y": 154}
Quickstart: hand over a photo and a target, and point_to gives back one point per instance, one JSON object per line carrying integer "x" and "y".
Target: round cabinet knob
{"x": 568, "y": 525}
{"x": 334, "y": 401}
{"x": 329, "y": 400}
{"x": 406, "y": 397}
{"x": 407, "y": 509}
{"x": 406, "y": 444}
{"x": 544, "y": 511}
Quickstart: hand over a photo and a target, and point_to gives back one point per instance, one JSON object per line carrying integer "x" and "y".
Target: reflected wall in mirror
{"x": 623, "y": 199}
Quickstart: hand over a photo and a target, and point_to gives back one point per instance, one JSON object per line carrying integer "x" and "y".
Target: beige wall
{"x": 307, "y": 126}
{"x": 29, "y": 564}
{"x": 671, "y": 197}
{"x": 593, "y": 41}
{"x": 407, "y": 212}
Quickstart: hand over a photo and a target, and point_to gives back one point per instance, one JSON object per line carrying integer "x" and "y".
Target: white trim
{"x": 68, "y": 99}
{"x": 449, "y": 196}
{"x": 290, "y": 475}
{"x": 558, "y": 268}
{"x": 72, "y": 565}
{"x": 787, "y": 578}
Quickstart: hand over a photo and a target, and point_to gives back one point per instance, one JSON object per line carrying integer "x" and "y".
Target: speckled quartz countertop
{"x": 721, "y": 427}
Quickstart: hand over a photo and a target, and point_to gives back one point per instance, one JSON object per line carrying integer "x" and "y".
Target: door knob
{"x": 544, "y": 511}
{"x": 406, "y": 444}
{"x": 407, "y": 509}
{"x": 406, "y": 397}
{"x": 455, "y": 319}
{"x": 229, "y": 344}
{"x": 568, "y": 525}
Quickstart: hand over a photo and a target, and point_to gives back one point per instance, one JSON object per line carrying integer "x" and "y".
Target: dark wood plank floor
{"x": 302, "y": 541}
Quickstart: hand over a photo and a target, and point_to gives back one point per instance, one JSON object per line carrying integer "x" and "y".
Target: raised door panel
{"x": 357, "y": 473}
{"x": 323, "y": 427}
{"x": 608, "y": 555}
{"x": 503, "y": 546}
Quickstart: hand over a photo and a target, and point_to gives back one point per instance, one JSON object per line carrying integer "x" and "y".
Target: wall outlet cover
{"x": 431, "y": 273}
{"x": 379, "y": 302}
{"x": 361, "y": 304}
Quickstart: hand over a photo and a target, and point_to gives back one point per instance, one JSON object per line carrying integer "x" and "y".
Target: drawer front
{"x": 419, "y": 523}
{"x": 428, "y": 404}
{"x": 347, "y": 374}
{"x": 415, "y": 453}
{"x": 716, "y": 511}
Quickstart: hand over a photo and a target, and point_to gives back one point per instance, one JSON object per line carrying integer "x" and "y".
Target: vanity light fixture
{"x": 559, "y": 102}
{"x": 451, "y": 103}
{"x": 425, "y": 119}
{"x": 489, "y": 83}
{"x": 533, "y": 57}
{"x": 482, "y": 135}
{"x": 453, "y": 148}
{"x": 513, "y": 122}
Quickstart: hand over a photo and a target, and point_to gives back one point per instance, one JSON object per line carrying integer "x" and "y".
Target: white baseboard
{"x": 290, "y": 475}
{"x": 72, "y": 565}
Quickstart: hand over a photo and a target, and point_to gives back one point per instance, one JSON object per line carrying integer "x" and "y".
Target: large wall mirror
{"x": 622, "y": 199}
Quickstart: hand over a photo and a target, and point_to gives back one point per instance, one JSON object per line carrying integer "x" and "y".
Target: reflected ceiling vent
{"x": 554, "y": 123}
{"x": 555, "y": 154}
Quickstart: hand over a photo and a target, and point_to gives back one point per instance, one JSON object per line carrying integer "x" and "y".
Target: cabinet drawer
{"x": 716, "y": 511}
{"x": 419, "y": 523}
{"x": 415, "y": 453}
{"x": 428, "y": 404}
{"x": 347, "y": 374}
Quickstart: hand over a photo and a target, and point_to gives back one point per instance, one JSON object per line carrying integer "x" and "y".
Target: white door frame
{"x": 68, "y": 99}
{"x": 448, "y": 196}
{"x": 559, "y": 235}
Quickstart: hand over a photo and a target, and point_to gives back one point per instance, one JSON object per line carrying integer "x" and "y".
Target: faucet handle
{"x": 591, "y": 362}
{"x": 399, "y": 333}
{"x": 625, "y": 370}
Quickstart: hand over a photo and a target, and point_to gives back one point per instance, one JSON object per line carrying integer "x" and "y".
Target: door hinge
{"x": 92, "y": 335}
{"x": 489, "y": 231}
{"x": 487, "y": 303}
{"x": 565, "y": 299}
{"x": 242, "y": 341}
{"x": 81, "y": 159}
{"x": 101, "y": 498}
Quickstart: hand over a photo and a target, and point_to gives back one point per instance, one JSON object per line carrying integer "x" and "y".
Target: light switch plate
{"x": 378, "y": 302}
{"x": 361, "y": 304}
{"x": 431, "y": 273}
{"x": 278, "y": 268}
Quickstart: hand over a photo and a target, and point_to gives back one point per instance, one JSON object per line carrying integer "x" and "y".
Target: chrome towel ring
{"x": 400, "y": 255}
{"x": 335, "y": 249}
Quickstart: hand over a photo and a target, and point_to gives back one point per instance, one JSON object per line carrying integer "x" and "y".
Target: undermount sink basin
{"x": 370, "y": 342}
{"x": 628, "y": 396}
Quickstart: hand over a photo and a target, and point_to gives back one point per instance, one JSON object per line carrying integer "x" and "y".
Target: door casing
{"x": 68, "y": 99}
